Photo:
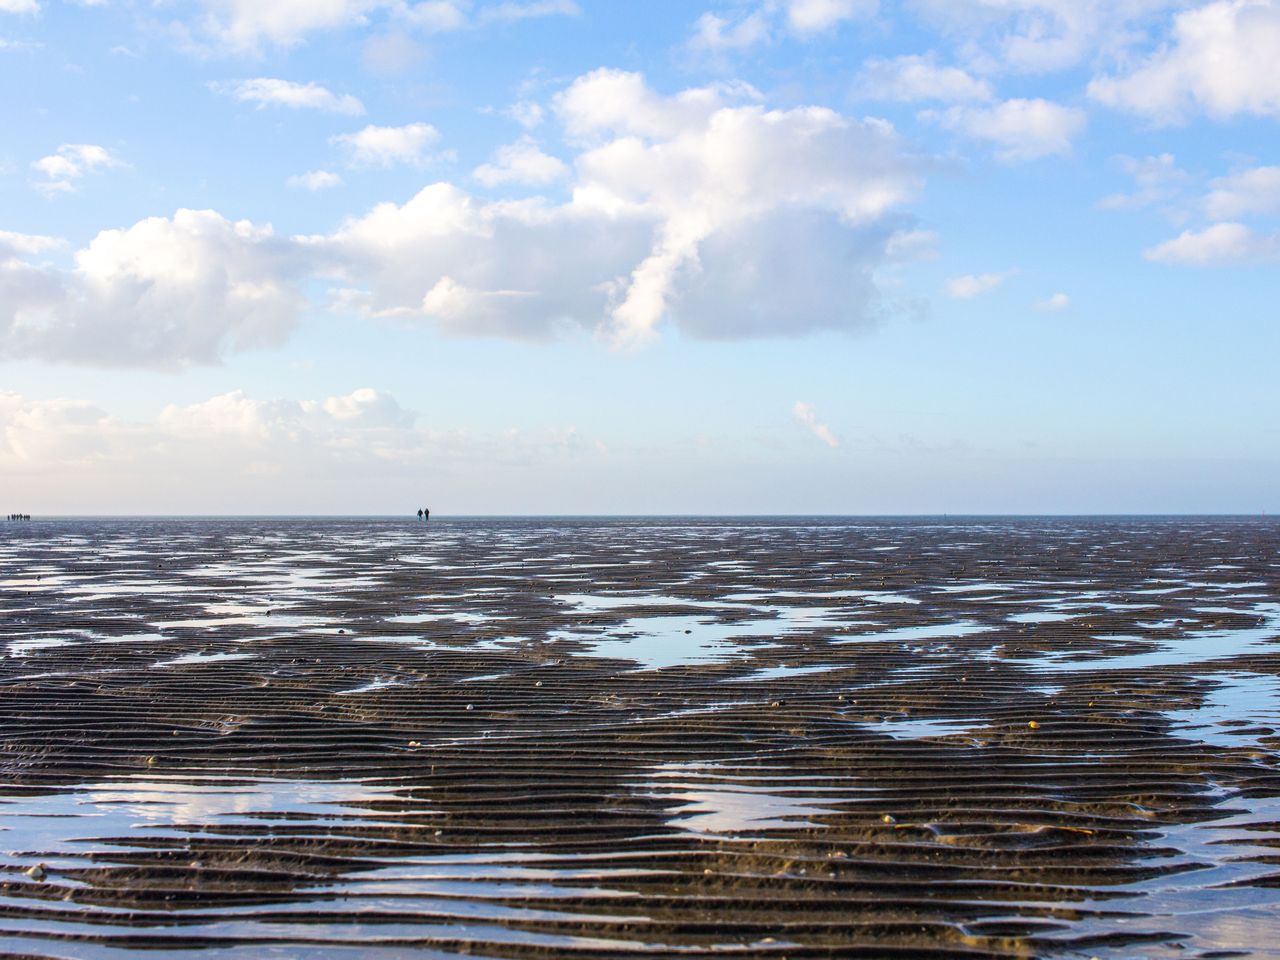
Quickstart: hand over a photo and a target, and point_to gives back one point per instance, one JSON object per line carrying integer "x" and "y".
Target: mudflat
{"x": 615, "y": 738}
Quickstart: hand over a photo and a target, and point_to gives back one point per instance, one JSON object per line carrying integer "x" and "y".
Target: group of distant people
{"x": 19, "y": 516}
{"x": 424, "y": 514}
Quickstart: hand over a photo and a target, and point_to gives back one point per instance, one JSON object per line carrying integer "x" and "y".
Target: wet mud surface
{"x": 527, "y": 738}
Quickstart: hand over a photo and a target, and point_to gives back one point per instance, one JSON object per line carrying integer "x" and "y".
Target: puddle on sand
{"x": 1197, "y": 647}
{"x": 674, "y": 640}
{"x": 20, "y": 648}
{"x": 62, "y": 828}
{"x": 782, "y": 671}
{"x": 929, "y": 631}
{"x": 1235, "y": 714}
{"x": 193, "y": 658}
{"x": 445, "y": 617}
{"x": 1219, "y": 906}
{"x": 657, "y": 642}
{"x": 913, "y": 728}
{"x": 1044, "y": 617}
{"x": 711, "y": 802}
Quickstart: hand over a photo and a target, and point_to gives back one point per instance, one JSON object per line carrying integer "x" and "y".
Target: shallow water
{"x": 522, "y": 738}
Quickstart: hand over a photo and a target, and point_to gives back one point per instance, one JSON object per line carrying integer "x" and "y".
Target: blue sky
{"x": 565, "y": 256}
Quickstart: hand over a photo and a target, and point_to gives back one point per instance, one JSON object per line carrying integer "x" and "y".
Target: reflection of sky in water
{"x": 192, "y": 658}
{"x": 668, "y": 641}
{"x": 20, "y": 648}
{"x": 1193, "y": 647}
{"x": 709, "y": 803}
{"x": 919, "y": 728}
{"x": 1042, "y": 617}
{"x": 57, "y": 826}
{"x": 1217, "y": 906}
{"x": 928, "y": 631}
{"x": 1254, "y": 698}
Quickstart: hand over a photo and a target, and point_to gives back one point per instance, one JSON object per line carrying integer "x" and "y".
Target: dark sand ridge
{"x": 498, "y": 737}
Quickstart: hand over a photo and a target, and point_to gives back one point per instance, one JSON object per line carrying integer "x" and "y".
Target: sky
{"x": 580, "y": 257}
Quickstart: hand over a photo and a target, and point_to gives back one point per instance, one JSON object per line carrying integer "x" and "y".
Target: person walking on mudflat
{"x": 419, "y": 513}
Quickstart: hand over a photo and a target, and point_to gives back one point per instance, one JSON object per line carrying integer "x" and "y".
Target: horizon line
{"x": 620, "y": 516}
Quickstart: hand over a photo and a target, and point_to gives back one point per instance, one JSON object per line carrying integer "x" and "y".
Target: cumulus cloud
{"x": 19, "y": 6}
{"x": 972, "y": 285}
{"x": 1220, "y": 243}
{"x": 389, "y": 146}
{"x": 913, "y": 78}
{"x": 268, "y": 91}
{"x": 367, "y": 407}
{"x": 1020, "y": 130}
{"x": 721, "y": 216}
{"x": 808, "y": 416}
{"x": 1223, "y": 60}
{"x": 26, "y": 244}
{"x": 521, "y": 162}
{"x": 806, "y": 17}
{"x": 1252, "y": 192}
{"x": 236, "y": 451}
{"x": 703, "y": 210}
{"x": 1059, "y": 301}
{"x": 70, "y": 163}
{"x": 315, "y": 180}
{"x": 166, "y": 292}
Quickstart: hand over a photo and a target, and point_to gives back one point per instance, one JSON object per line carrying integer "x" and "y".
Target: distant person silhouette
{"x": 426, "y": 514}
{"x": 419, "y": 513}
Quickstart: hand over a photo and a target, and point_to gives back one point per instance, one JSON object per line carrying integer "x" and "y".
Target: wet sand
{"x": 531, "y": 738}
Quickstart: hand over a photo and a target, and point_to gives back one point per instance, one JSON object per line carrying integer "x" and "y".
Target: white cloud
{"x": 808, "y": 416}
{"x": 69, "y": 163}
{"x": 721, "y": 217}
{"x": 388, "y": 146}
{"x": 1251, "y": 192}
{"x": 521, "y": 162}
{"x": 437, "y": 16}
{"x": 1223, "y": 60}
{"x": 772, "y": 19}
{"x": 1218, "y": 244}
{"x": 367, "y": 407}
{"x": 715, "y": 33}
{"x": 233, "y": 435}
{"x": 26, "y": 244}
{"x": 912, "y": 245}
{"x": 509, "y": 11}
{"x": 1040, "y": 36}
{"x": 315, "y": 180}
{"x": 19, "y": 6}
{"x": 266, "y": 91}
{"x": 972, "y": 285}
{"x": 355, "y": 451}
{"x": 1020, "y": 130}
{"x": 702, "y": 210}
{"x": 1158, "y": 179}
{"x": 1059, "y": 301}
{"x": 527, "y": 113}
{"x": 166, "y": 292}
{"x": 243, "y": 26}
{"x": 912, "y": 78}
{"x": 809, "y": 17}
